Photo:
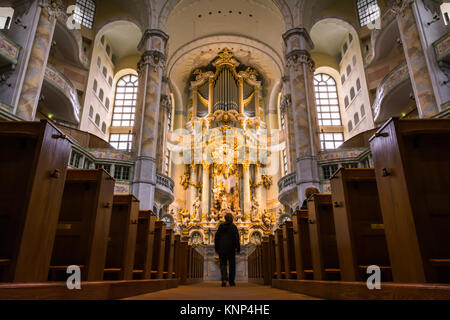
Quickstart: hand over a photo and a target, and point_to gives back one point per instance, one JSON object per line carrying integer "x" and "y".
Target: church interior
{"x": 129, "y": 129}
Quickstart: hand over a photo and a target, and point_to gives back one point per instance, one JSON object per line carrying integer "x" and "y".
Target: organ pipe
{"x": 226, "y": 95}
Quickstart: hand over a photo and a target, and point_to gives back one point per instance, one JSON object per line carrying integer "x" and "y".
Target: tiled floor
{"x": 211, "y": 290}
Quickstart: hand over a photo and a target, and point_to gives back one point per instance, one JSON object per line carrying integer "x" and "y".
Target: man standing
{"x": 226, "y": 244}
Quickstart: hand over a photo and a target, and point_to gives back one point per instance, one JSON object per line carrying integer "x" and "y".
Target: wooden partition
{"x": 279, "y": 255}
{"x": 169, "y": 248}
{"x": 302, "y": 245}
{"x": 359, "y": 224}
{"x": 323, "y": 238}
{"x": 33, "y": 163}
{"x": 143, "y": 258}
{"x": 267, "y": 261}
{"x": 412, "y": 168}
{"x": 84, "y": 224}
{"x": 288, "y": 250}
{"x": 122, "y": 238}
{"x": 183, "y": 267}
{"x": 177, "y": 261}
{"x": 159, "y": 250}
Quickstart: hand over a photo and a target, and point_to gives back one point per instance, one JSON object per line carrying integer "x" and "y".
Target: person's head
{"x": 310, "y": 191}
{"x": 229, "y": 218}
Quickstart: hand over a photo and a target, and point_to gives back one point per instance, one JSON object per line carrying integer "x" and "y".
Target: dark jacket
{"x": 226, "y": 240}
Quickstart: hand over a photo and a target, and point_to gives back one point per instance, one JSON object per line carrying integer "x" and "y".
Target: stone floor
{"x": 211, "y": 290}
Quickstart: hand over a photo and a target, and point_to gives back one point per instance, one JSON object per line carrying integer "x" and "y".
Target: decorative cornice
{"x": 54, "y": 8}
{"x": 297, "y": 57}
{"x": 149, "y": 33}
{"x": 299, "y": 31}
{"x": 154, "y": 58}
{"x": 398, "y": 7}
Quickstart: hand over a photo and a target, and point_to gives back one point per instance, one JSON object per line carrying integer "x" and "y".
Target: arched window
{"x": 346, "y": 102}
{"x": 352, "y": 93}
{"x": 327, "y": 100}
{"x": 97, "y": 119}
{"x": 91, "y": 112}
{"x": 110, "y": 81}
{"x": 107, "y": 103}
{"x": 102, "y": 40}
{"x": 103, "y": 127}
{"x": 125, "y": 101}
{"x": 108, "y": 49}
{"x": 349, "y": 70}
{"x": 99, "y": 62}
{"x": 363, "y": 111}
{"x": 350, "y": 126}
{"x": 101, "y": 95}
{"x": 368, "y": 11}
{"x": 105, "y": 72}
{"x": 358, "y": 85}
{"x": 85, "y": 12}
{"x": 356, "y": 118}
{"x": 95, "y": 86}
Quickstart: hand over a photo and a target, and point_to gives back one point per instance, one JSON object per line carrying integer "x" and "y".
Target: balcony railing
{"x": 376, "y": 34}
{"x": 165, "y": 181}
{"x": 63, "y": 85}
{"x": 9, "y": 51}
{"x": 391, "y": 81}
{"x": 287, "y": 181}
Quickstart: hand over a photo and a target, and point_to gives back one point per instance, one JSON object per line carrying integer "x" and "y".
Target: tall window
{"x": 368, "y": 11}
{"x": 125, "y": 101}
{"x": 85, "y": 12}
{"x": 121, "y": 141}
{"x": 330, "y": 141}
{"x": 327, "y": 100}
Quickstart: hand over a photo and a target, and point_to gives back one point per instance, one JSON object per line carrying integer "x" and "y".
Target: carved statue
{"x": 197, "y": 209}
{"x": 184, "y": 217}
{"x": 185, "y": 179}
{"x": 235, "y": 201}
{"x": 267, "y": 219}
{"x": 254, "y": 210}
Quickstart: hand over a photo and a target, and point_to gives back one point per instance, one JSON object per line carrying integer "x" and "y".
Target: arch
{"x": 103, "y": 127}
{"x": 97, "y": 119}
{"x": 91, "y": 112}
{"x": 125, "y": 101}
{"x": 327, "y": 100}
{"x": 161, "y": 20}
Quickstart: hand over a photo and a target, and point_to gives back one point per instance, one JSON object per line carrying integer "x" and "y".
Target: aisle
{"x": 211, "y": 290}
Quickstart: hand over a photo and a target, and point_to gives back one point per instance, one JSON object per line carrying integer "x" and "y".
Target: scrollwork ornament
{"x": 153, "y": 58}
{"x": 285, "y": 103}
{"x": 297, "y": 58}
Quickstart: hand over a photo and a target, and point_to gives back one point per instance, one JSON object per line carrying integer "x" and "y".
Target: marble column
{"x": 304, "y": 114}
{"x": 286, "y": 113}
{"x": 165, "y": 109}
{"x": 150, "y": 70}
{"x": 415, "y": 58}
{"x": 34, "y": 75}
{"x": 258, "y": 189}
{"x": 246, "y": 178}
{"x": 205, "y": 191}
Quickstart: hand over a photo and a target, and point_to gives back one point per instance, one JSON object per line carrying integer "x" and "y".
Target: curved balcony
{"x": 383, "y": 39}
{"x": 287, "y": 190}
{"x": 59, "y": 97}
{"x": 393, "y": 94}
{"x": 71, "y": 41}
{"x": 9, "y": 52}
{"x": 164, "y": 192}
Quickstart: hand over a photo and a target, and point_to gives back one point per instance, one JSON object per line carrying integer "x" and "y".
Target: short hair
{"x": 310, "y": 191}
{"x": 229, "y": 217}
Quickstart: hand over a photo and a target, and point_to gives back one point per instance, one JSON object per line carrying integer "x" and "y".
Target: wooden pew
{"x": 158, "y": 250}
{"x": 288, "y": 250}
{"x": 33, "y": 163}
{"x": 359, "y": 224}
{"x": 177, "y": 256}
{"x": 267, "y": 262}
{"x": 143, "y": 259}
{"x": 279, "y": 255}
{"x": 184, "y": 265}
{"x": 122, "y": 238}
{"x": 83, "y": 226}
{"x": 323, "y": 238}
{"x": 412, "y": 168}
{"x": 302, "y": 245}
{"x": 169, "y": 248}
{"x": 272, "y": 257}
